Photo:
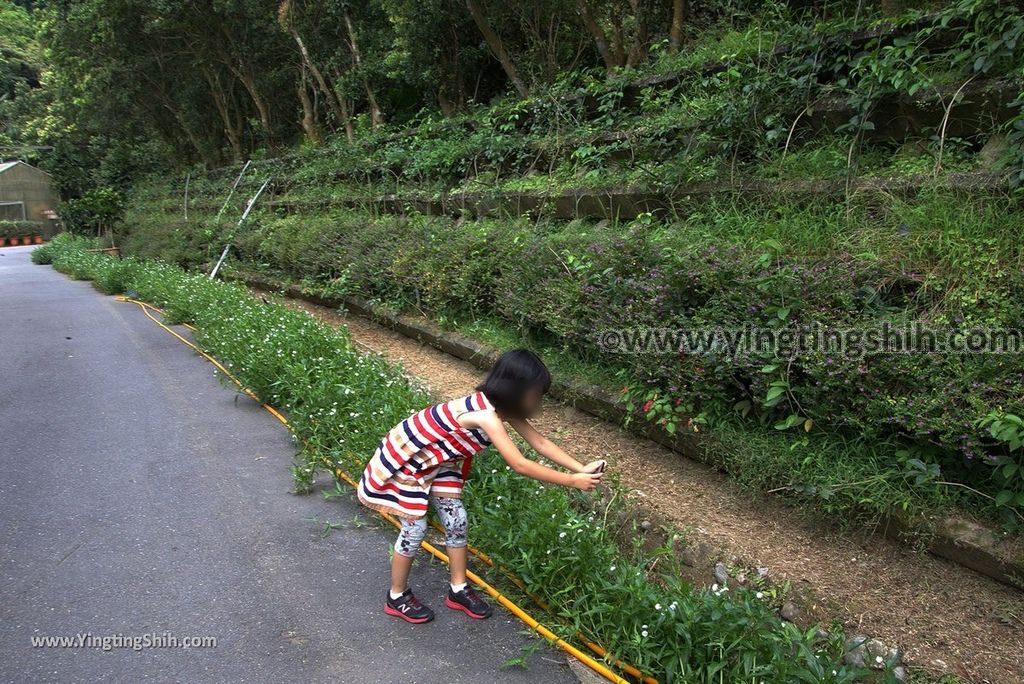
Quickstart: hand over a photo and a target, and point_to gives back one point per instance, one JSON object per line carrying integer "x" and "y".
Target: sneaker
{"x": 408, "y": 607}
{"x": 469, "y": 602}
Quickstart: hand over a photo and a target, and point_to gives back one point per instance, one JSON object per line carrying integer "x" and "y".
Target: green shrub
{"x": 936, "y": 258}
{"x": 45, "y": 253}
{"x": 20, "y": 228}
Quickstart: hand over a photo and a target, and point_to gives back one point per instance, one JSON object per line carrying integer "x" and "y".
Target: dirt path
{"x": 934, "y": 609}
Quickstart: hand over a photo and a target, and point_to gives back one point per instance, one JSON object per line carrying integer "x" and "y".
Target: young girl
{"x": 425, "y": 460}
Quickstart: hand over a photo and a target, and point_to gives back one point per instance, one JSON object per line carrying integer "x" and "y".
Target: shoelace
{"x": 472, "y": 595}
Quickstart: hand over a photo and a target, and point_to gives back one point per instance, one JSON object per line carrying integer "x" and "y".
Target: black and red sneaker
{"x": 408, "y": 607}
{"x": 469, "y": 602}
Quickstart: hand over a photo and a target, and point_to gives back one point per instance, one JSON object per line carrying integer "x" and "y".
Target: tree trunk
{"x": 166, "y": 102}
{"x": 447, "y": 109}
{"x": 600, "y": 37}
{"x": 350, "y": 131}
{"x": 308, "y": 111}
{"x": 497, "y": 47}
{"x": 245, "y": 75}
{"x": 618, "y": 39}
{"x": 318, "y": 78}
{"x": 639, "y": 46}
{"x": 357, "y": 57}
{"x": 234, "y": 135}
{"x": 675, "y": 34}
{"x": 235, "y": 61}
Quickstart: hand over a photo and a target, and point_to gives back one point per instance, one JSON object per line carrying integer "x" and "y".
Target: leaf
{"x": 808, "y": 424}
{"x": 1004, "y": 497}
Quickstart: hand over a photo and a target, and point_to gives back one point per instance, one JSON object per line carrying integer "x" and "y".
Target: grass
{"x": 340, "y": 401}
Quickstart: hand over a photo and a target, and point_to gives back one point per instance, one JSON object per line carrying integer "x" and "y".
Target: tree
{"x": 497, "y": 47}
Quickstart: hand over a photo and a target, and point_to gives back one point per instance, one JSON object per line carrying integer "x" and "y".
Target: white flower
{"x": 499, "y": 499}
{"x": 878, "y": 659}
{"x": 561, "y": 535}
{"x": 714, "y": 587}
{"x": 552, "y": 516}
{"x": 657, "y": 606}
{"x": 611, "y": 569}
{"x": 758, "y": 594}
{"x": 643, "y": 633}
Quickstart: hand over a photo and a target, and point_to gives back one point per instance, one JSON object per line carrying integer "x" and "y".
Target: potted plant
{"x": 37, "y": 239}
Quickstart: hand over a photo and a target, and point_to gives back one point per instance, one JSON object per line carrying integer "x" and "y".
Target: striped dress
{"x": 426, "y": 454}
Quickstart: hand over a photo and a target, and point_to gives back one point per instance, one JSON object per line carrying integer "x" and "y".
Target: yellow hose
{"x": 473, "y": 577}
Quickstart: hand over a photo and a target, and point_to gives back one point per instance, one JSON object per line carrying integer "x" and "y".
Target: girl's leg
{"x": 453, "y": 517}
{"x": 408, "y": 542}
{"x": 461, "y": 596}
{"x": 457, "y": 564}
{"x": 400, "y": 566}
{"x": 400, "y": 601}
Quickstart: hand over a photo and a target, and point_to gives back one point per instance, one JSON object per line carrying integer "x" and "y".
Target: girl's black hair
{"x": 512, "y": 376}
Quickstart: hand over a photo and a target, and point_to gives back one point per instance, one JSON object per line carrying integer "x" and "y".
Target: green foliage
{"x": 563, "y": 544}
{"x": 20, "y": 228}
{"x": 837, "y": 424}
{"x": 93, "y": 213}
{"x": 239, "y": 80}
{"x": 1015, "y": 137}
{"x": 1008, "y": 429}
{"x": 20, "y": 70}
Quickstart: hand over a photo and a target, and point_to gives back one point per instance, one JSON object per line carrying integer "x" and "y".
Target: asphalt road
{"x": 138, "y": 495}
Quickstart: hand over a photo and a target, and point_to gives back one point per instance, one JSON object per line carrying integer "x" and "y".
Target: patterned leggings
{"x": 453, "y": 517}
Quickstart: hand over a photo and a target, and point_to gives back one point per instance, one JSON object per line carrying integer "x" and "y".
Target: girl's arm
{"x": 551, "y": 451}
{"x": 496, "y": 432}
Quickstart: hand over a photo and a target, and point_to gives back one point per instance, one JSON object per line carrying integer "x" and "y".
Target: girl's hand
{"x": 595, "y": 467}
{"x": 586, "y": 481}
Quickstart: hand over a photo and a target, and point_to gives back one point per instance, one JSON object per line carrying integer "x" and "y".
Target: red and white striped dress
{"x": 427, "y": 453}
